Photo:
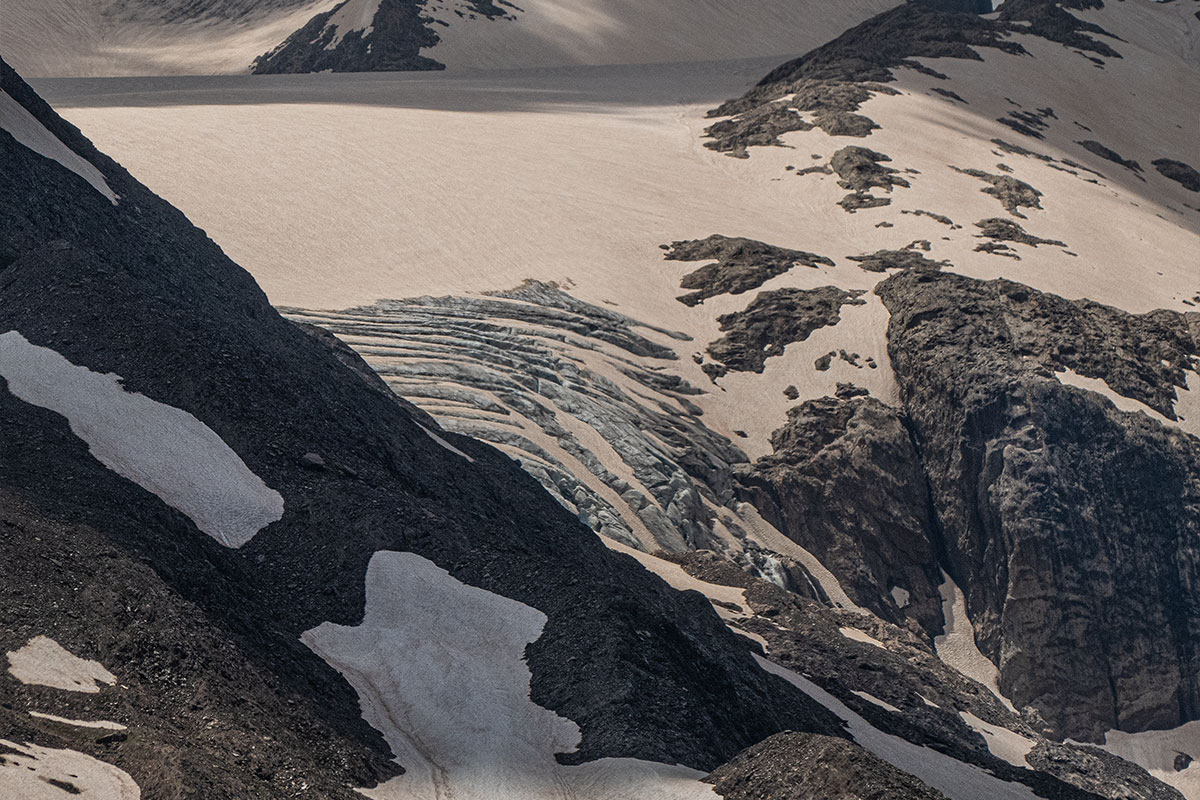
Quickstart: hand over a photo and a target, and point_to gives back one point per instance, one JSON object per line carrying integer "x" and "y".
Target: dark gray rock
{"x": 883, "y": 260}
{"x": 845, "y": 482}
{"x": 1013, "y": 194}
{"x": 1186, "y": 176}
{"x": 774, "y": 320}
{"x": 1092, "y": 146}
{"x": 742, "y": 265}
{"x": 1071, "y": 525}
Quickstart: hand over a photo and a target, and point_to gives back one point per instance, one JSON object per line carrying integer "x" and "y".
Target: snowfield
{"x": 439, "y": 669}
{"x": 44, "y": 662}
{"x": 166, "y": 451}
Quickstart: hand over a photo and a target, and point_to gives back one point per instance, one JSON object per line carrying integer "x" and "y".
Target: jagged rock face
{"x": 845, "y": 482}
{"x": 1072, "y": 525}
{"x": 801, "y": 766}
{"x": 132, "y": 289}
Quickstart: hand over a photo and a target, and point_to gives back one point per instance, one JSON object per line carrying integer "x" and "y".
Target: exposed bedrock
{"x": 845, "y": 482}
{"x": 1186, "y": 176}
{"x": 742, "y": 265}
{"x": 1071, "y": 525}
{"x": 1013, "y": 194}
{"x": 772, "y": 321}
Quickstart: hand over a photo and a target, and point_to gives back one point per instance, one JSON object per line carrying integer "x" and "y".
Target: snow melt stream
{"x": 165, "y": 450}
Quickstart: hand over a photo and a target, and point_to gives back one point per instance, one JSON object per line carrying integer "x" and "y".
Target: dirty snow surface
{"x": 26, "y": 772}
{"x": 439, "y": 669}
{"x": 44, "y": 662}
{"x": 166, "y": 451}
{"x": 26, "y": 129}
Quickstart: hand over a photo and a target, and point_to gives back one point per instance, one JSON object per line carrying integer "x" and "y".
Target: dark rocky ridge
{"x": 742, "y": 265}
{"x": 883, "y": 260}
{"x": 772, "y": 321}
{"x": 1092, "y": 146}
{"x": 846, "y": 71}
{"x": 135, "y": 290}
{"x": 1013, "y": 194}
{"x": 1055, "y": 504}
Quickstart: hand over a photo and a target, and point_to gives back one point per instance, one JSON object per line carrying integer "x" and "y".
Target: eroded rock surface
{"x": 742, "y": 265}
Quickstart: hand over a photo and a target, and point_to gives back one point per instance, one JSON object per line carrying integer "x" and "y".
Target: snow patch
{"x": 165, "y": 450}
{"x": 1003, "y": 743}
{"x": 1187, "y": 402}
{"x": 80, "y": 723}
{"x": 26, "y": 129}
{"x": 1156, "y": 751}
{"x": 860, "y": 636}
{"x": 26, "y": 773}
{"x": 956, "y": 647}
{"x": 870, "y": 698}
{"x": 956, "y": 780}
{"x": 900, "y": 597}
{"x": 439, "y": 669}
{"x": 445, "y": 444}
{"x": 44, "y": 662}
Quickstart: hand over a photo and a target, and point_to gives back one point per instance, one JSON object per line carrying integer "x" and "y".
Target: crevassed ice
{"x": 165, "y": 450}
{"x": 439, "y": 669}
{"x": 26, "y": 129}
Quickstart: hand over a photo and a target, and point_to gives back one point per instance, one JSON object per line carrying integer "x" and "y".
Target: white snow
{"x": 1003, "y": 743}
{"x": 900, "y": 597}
{"x": 80, "y": 723}
{"x": 1187, "y": 403}
{"x": 26, "y": 773}
{"x": 443, "y": 443}
{"x": 439, "y": 668}
{"x": 44, "y": 662}
{"x": 355, "y": 15}
{"x": 1155, "y": 751}
{"x": 26, "y": 129}
{"x": 861, "y": 636}
{"x": 956, "y": 646}
{"x": 956, "y": 780}
{"x": 165, "y": 450}
{"x": 870, "y": 698}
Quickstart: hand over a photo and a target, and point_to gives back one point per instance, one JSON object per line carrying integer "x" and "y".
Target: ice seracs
{"x": 44, "y": 662}
{"x": 165, "y": 450}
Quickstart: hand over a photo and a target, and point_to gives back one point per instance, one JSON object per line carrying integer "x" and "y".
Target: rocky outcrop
{"x": 883, "y": 260}
{"x": 1013, "y": 194}
{"x": 999, "y": 231}
{"x": 1070, "y": 524}
{"x": 860, "y": 170}
{"x": 802, "y": 766}
{"x": 845, "y": 482}
{"x": 1108, "y": 154}
{"x": 1185, "y": 175}
{"x": 772, "y": 321}
{"x": 742, "y": 265}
